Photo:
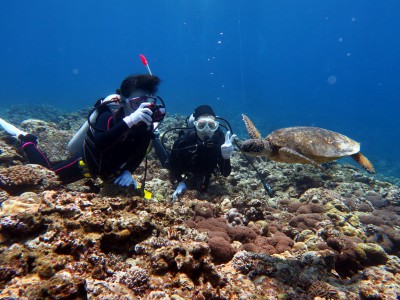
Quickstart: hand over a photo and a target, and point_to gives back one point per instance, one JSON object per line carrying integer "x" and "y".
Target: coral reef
{"x": 314, "y": 239}
{"x": 21, "y": 178}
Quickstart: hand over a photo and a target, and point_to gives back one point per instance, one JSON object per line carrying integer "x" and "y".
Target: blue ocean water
{"x": 333, "y": 64}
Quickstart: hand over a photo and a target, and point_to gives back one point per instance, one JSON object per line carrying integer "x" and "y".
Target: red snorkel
{"x": 157, "y": 109}
{"x": 146, "y": 64}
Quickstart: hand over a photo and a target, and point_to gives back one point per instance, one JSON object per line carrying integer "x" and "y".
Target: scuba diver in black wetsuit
{"x": 199, "y": 150}
{"x": 114, "y": 140}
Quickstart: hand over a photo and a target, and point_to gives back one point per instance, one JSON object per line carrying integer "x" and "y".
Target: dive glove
{"x": 179, "y": 191}
{"x": 227, "y": 147}
{"x": 125, "y": 179}
{"x": 141, "y": 114}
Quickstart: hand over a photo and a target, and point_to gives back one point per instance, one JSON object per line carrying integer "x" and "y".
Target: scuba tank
{"x": 75, "y": 145}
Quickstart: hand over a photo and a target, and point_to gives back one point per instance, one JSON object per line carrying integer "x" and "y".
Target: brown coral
{"x": 278, "y": 243}
{"x": 122, "y": 246}
{"x": 221, "y": 250}
{"x": 305, "y": 221}
{"x": 18, "y": 179}
{"x": 205, "y": 209}
{"x": 242, "y": 234}
{"x": 310, "y": 209}
{"x": 323, "y": 290}
{"x": 8, "y": 155}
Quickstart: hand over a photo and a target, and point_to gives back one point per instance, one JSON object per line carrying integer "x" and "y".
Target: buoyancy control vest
{"x": 190, "y": 154}
{"x": 75, "y": 145}
{"x": 126, "y": 151}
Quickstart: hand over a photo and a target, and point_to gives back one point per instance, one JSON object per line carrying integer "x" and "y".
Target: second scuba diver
{"x": 198, "y": 152}
{"x": 115, "y": 142}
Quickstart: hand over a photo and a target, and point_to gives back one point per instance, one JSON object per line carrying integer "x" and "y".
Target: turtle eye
{"x": 258, "y": 146}
{"x": 253, "y": 146}
{"x": 246, "y": 146}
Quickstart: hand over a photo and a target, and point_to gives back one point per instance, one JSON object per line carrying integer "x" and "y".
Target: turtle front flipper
{"x": 251, "y": 129}
{"x": 289, "y": 155}
{"x": 364, "y": 162}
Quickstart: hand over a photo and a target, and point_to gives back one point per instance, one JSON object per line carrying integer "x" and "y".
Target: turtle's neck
{"x": 268, "y": 149}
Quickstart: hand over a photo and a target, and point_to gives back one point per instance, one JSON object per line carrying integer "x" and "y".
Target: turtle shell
{"x": 314, "y": 142}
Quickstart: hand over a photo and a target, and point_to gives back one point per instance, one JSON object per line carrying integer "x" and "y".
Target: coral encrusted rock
{"x": 25, "y": 178}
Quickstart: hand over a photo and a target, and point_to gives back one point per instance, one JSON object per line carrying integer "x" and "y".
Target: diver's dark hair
{"x": 203, "y": 110}
{"x": 145, "y": 82}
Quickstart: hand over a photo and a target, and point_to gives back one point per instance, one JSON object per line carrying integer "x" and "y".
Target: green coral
{"x": 371, "y": 254}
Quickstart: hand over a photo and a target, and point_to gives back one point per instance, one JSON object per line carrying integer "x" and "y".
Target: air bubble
{"x": 332, "y": 79}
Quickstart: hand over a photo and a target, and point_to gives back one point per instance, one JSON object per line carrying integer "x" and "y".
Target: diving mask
{"x": 205, "y": 127}
{"x": 206, "y": 124}
{"x": 136, "y": 101}
{"x": 157, "y": 109}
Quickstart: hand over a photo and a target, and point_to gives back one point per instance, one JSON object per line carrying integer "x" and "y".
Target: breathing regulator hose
{"x": 265, "y": 184}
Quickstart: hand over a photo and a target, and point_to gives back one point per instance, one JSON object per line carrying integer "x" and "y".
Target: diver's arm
{"x": 225, "y": 166}
{"x": 175, "y": 159}
{"x": 175, "y": 169}
{"x": 176, "y": 175}
{"x": 138, "y": 154}
{"x": 106, "y": 132}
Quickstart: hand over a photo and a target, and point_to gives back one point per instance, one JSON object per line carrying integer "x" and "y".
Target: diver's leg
{"x": 68, "y": 171}
{"x": 204, "y": 183}
{"x": 162, "y": 153}
{"x": 28, "y": 143}
{"x": 35, "y": 156}
{"x": 11, "y": 129}
{"x": 71, "y": 170}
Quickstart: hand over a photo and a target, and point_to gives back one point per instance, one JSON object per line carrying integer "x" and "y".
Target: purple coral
{"x": 136, "y": 279}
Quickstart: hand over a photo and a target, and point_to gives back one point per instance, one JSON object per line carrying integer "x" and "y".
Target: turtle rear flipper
{"x": 364, "y": 162}
{"x": 292, "y": 156}
{"x": 251, "y": 129}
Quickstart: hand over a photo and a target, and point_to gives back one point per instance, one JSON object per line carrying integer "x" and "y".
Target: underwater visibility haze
{"x": 332, "y": 64}
{"x": 256, "y": 228}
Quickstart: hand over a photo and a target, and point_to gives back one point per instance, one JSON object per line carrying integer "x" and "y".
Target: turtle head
{"x": 254, "y": 147}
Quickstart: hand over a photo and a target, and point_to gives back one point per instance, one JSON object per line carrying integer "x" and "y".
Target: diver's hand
{"x": 142, "y": 114}
{"x": 179, "y": 191}
{"x": 227, "y": 147}
{"x": 125, "y": 179}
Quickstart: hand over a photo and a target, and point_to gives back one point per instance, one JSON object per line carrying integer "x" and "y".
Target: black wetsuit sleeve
{"x": 108, "y": 132}
{"x": 138, "y": 154}
{"x": 176, "y": 157}
{"x": 224, "y": 164}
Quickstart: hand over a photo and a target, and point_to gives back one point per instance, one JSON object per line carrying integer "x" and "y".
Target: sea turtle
{"x": 305, "y": 145}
